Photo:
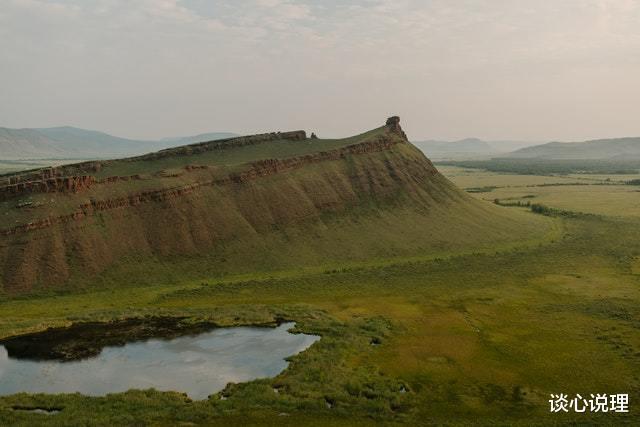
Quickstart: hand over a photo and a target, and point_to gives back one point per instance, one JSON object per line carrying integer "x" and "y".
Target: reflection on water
{"x": 197, "y": 365}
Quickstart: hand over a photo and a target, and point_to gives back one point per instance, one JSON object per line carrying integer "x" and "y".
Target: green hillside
{"x": 281, "y": 200}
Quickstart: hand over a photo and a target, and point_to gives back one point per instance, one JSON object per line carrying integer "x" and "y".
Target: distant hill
{"x": 468, "y": 148}
{"x": 600, "y": 149}
{"x": 464, "y": 148}
{"x": 74, "y": 143}
{"x": 27, "y": 144}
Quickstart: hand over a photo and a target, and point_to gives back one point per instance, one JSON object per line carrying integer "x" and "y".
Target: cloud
{"x": 184, "y": 66}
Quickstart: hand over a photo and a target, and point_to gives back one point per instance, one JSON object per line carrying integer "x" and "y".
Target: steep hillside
{"x": 601, "y": 149}
{"x": 73, "y": 143}
{"x": 242, "y": 205}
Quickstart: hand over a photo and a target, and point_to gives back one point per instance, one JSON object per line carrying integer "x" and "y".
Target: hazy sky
{"x": 500, "y": 69}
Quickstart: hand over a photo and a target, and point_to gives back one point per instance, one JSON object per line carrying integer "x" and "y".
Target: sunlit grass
{"x": 473, "y": 337}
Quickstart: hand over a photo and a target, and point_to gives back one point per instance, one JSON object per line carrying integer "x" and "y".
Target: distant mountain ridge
{"x": 468, "y": 148}
{"x": 461, "y": 149}
{"x": 599, "y": 149}
{"x": 74, "y": 143}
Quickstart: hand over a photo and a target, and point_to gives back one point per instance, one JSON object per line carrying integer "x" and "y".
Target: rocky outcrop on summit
{"x": 393, "y": 123}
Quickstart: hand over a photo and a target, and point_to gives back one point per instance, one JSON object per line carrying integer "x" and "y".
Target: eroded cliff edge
{"x": 261, "y": 202}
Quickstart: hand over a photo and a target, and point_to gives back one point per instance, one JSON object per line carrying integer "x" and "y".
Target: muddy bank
{"x": 84, "y": 340}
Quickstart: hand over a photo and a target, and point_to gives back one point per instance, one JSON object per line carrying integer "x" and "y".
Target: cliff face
{"x": 255, "y": 170}
{"x": 83, "y": 225}
{"x": 71, "y": 184}
{"x": 70, "y": 178}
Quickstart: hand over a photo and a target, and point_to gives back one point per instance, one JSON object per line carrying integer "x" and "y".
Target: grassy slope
{"x": 476, "y": 338}
{"x": 367, "y": 207}
{"x": 476, "y": 333}
{"x": 157, "y": 174}
{"x": 239, "y": 155}
{"x": 594, "y": 194}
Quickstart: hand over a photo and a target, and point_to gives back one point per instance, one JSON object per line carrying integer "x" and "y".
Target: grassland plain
{"x": 536, "y": 166}
{"x": 477, "y": 335}
{"x": 480, "y": 338}
{"x": 605, "y": 194}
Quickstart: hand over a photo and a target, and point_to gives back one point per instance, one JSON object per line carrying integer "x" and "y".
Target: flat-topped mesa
{"x": 75, "y": 170}
{"x": 393, "y": 123}
{"x": 94, "y": 218}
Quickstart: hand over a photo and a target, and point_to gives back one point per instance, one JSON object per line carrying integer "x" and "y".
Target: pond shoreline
{"x": 84, "y": 340}
{"x": 196, "y": 359}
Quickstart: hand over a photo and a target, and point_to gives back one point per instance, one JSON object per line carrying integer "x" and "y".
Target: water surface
{"x": 198, "y": 365}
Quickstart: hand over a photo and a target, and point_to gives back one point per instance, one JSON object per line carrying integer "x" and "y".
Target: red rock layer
{"x": 258, "y": 169}
{"x": 75, "y": 178}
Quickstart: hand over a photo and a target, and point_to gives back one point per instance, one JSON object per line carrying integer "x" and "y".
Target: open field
{"x": 482, "y": 338}
{"x": 535, "y": 166}
{"x": 599, "y": 200}
{"x": 467, "y": 178}
{"x": 596, "y": 194}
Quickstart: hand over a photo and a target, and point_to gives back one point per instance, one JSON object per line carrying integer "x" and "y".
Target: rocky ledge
{"x": 256, "y": 170}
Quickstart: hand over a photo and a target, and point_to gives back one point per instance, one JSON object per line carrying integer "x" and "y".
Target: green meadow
{"x": 464, "y": 337}
{"x": 603, "y": 194}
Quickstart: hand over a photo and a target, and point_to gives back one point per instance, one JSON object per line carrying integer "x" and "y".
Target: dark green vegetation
{"x": 540, "y": 208}
{"x": 83, "y": 340}
{"x": 534, "y": 166}
{"x": 429, "y": 313}
{"x": 487, "y": 189}
{"x": 479, "y": 338}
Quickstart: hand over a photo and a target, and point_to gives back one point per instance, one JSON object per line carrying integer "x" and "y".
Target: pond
{"x": 197, "y": 364}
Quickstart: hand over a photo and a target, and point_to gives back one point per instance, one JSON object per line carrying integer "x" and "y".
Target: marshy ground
{"x": 480, "y": 337}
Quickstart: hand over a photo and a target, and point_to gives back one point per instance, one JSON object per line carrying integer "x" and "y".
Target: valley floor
{"x": 480, "y": 338}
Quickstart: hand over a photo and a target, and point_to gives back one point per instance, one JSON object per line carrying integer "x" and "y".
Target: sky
{"x": 535, "y": 70}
